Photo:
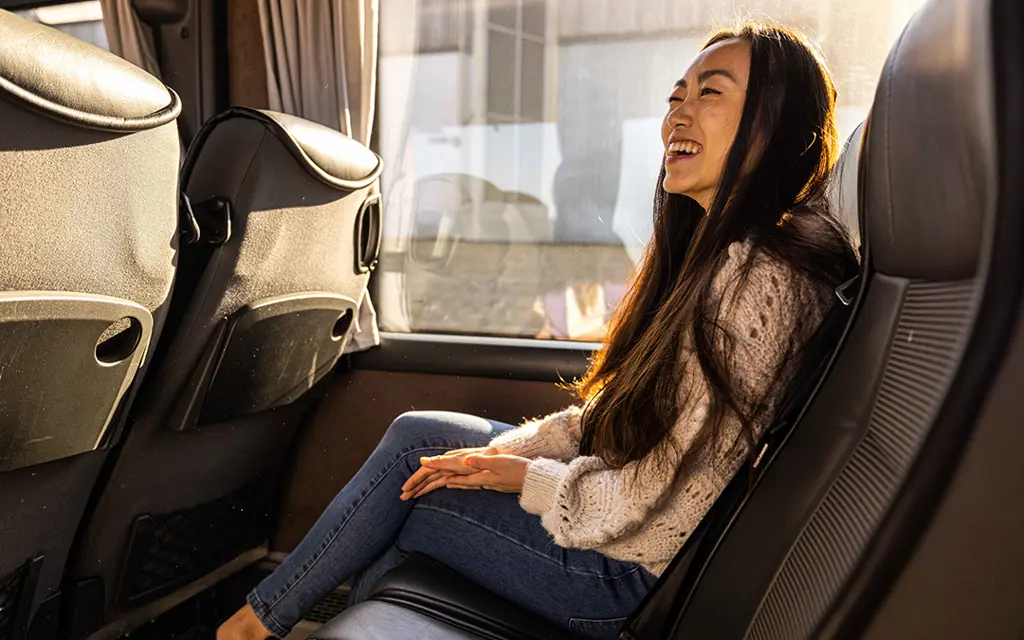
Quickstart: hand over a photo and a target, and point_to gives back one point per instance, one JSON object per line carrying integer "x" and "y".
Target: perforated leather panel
{"x": 934, "y": 321}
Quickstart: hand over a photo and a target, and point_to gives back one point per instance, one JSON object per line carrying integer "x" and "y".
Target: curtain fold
{"x": 128, "y": 37}
{"x": 321, "y": 59}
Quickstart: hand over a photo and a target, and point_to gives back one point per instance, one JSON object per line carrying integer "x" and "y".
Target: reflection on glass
{"x": 83, "y": 20}
{"x": 521, "y": 140}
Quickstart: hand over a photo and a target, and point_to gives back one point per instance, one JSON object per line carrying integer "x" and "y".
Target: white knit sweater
{"x": 646, "y": 518}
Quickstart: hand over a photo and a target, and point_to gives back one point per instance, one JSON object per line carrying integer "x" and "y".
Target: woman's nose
{"x": 681, "y": 115}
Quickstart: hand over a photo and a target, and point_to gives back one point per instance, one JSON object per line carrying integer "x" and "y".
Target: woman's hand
{"x": 493, "y": 472}
{"x": 435, "y": 471}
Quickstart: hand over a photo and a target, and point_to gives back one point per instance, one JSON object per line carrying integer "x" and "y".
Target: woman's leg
{"x": 360, "y": 523}
{"x": 487, "y": 537}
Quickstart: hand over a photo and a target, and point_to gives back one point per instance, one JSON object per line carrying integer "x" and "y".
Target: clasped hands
{"x": 477, "y": 468}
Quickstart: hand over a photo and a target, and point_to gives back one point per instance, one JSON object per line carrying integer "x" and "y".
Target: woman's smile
{"x": 681, "y": 150}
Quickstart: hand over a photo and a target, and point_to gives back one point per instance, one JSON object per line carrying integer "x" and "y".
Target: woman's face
{"x": 703, "y": 115}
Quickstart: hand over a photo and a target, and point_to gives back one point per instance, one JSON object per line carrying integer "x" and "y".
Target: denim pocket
{"x": 595, "y": 629}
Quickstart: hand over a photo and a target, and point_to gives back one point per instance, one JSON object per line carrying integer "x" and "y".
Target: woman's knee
{"x": 441, "y": 427}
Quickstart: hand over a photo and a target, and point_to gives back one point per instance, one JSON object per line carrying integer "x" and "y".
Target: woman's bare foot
{"x": 244, "y": 625}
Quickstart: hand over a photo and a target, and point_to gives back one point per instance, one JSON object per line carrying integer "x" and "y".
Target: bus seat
{"x": 88, "y": 225}
{"x": 281, "y": 224}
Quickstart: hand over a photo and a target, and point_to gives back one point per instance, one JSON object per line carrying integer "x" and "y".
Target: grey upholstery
{"x": 88, "y": 230}
{"x": 193, "y": 485}
{"x": 837, "y": 508}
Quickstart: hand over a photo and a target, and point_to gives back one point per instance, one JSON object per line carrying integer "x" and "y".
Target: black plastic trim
{"x": 478, "y": 357}
{"x": 39, "y": 332}
{"x": 925, "y": 486}
{"x": 368, "y": 234}
{"x": 266, "y": 355}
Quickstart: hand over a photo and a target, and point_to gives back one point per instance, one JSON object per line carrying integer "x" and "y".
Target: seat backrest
{"x": 88, "y": 230}
{"x": 843, "y": 183}
{"x": 308, "y": 236}
{"x": 285, "y": 226}
{"x": 801, "y": 557}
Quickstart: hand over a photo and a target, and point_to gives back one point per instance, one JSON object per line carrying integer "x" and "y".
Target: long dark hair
{"x": 631, "y": 392}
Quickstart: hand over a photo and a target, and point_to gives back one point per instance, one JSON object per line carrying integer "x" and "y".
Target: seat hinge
{"x": 207, "y": 222}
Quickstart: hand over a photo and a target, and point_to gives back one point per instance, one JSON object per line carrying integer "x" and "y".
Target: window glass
{"x": 522, "y": 144}
{"x": 83, "y": 20}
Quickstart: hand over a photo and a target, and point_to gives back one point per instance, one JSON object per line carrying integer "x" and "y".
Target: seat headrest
{"x": 842, "y": 187}
{"x": 930, "y": 152}
{"x": 74, "y": 81}
{"x": 331, "y": 156}
{"x": 342, "y": 161}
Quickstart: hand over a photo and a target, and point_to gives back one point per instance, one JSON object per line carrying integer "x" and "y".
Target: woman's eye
{"x": 673, "y": 99}
{"x": 707, "y": 91}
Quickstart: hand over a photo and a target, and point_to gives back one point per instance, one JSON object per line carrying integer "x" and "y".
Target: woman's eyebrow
{"x": 704, "y": 75}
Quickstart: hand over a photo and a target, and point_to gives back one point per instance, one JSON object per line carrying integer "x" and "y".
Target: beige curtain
{"x": 132, "y": 40}
{"x": 128, "y": 37}
{"x": 321, "y": 58}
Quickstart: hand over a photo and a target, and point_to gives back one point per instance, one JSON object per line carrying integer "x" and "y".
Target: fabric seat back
{"x": 88, "y": 231}
{"x": 280, "y": 231}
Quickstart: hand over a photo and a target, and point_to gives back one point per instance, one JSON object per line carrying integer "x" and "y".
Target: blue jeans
{"x": 484, "y": 535}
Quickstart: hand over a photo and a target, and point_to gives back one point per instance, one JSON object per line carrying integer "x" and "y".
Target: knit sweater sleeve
{"x": 555, "y": 436}
{"x": 587, "y": 504}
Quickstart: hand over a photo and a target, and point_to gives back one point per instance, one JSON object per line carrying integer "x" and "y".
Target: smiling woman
{"x": 704, "y": 113}
{"x": 700, "y": 353}
{"x": 757, "y": 106}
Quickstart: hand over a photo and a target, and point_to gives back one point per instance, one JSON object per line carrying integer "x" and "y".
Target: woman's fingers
{"x": 454, "y": 464}
{"x": 475, "y": 480}
{"x": 417, "y": 478}
{"x": 438, "y": 483}
{"x": 417, "y": 490}
{"x": 435, "y": 469}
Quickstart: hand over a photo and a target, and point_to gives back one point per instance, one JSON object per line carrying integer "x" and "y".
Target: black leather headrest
{"x": 74, "y": 81}
{"x": 930, "y": 149}
{"x": 332, "y": 157}
{"x": 842, "y": 188}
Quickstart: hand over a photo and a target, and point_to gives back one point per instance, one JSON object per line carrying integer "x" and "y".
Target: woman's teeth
{"x": 685, "y": 147}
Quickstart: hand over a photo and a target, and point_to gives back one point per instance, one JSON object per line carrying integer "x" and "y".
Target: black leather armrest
{"x": 427, "y": 586}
